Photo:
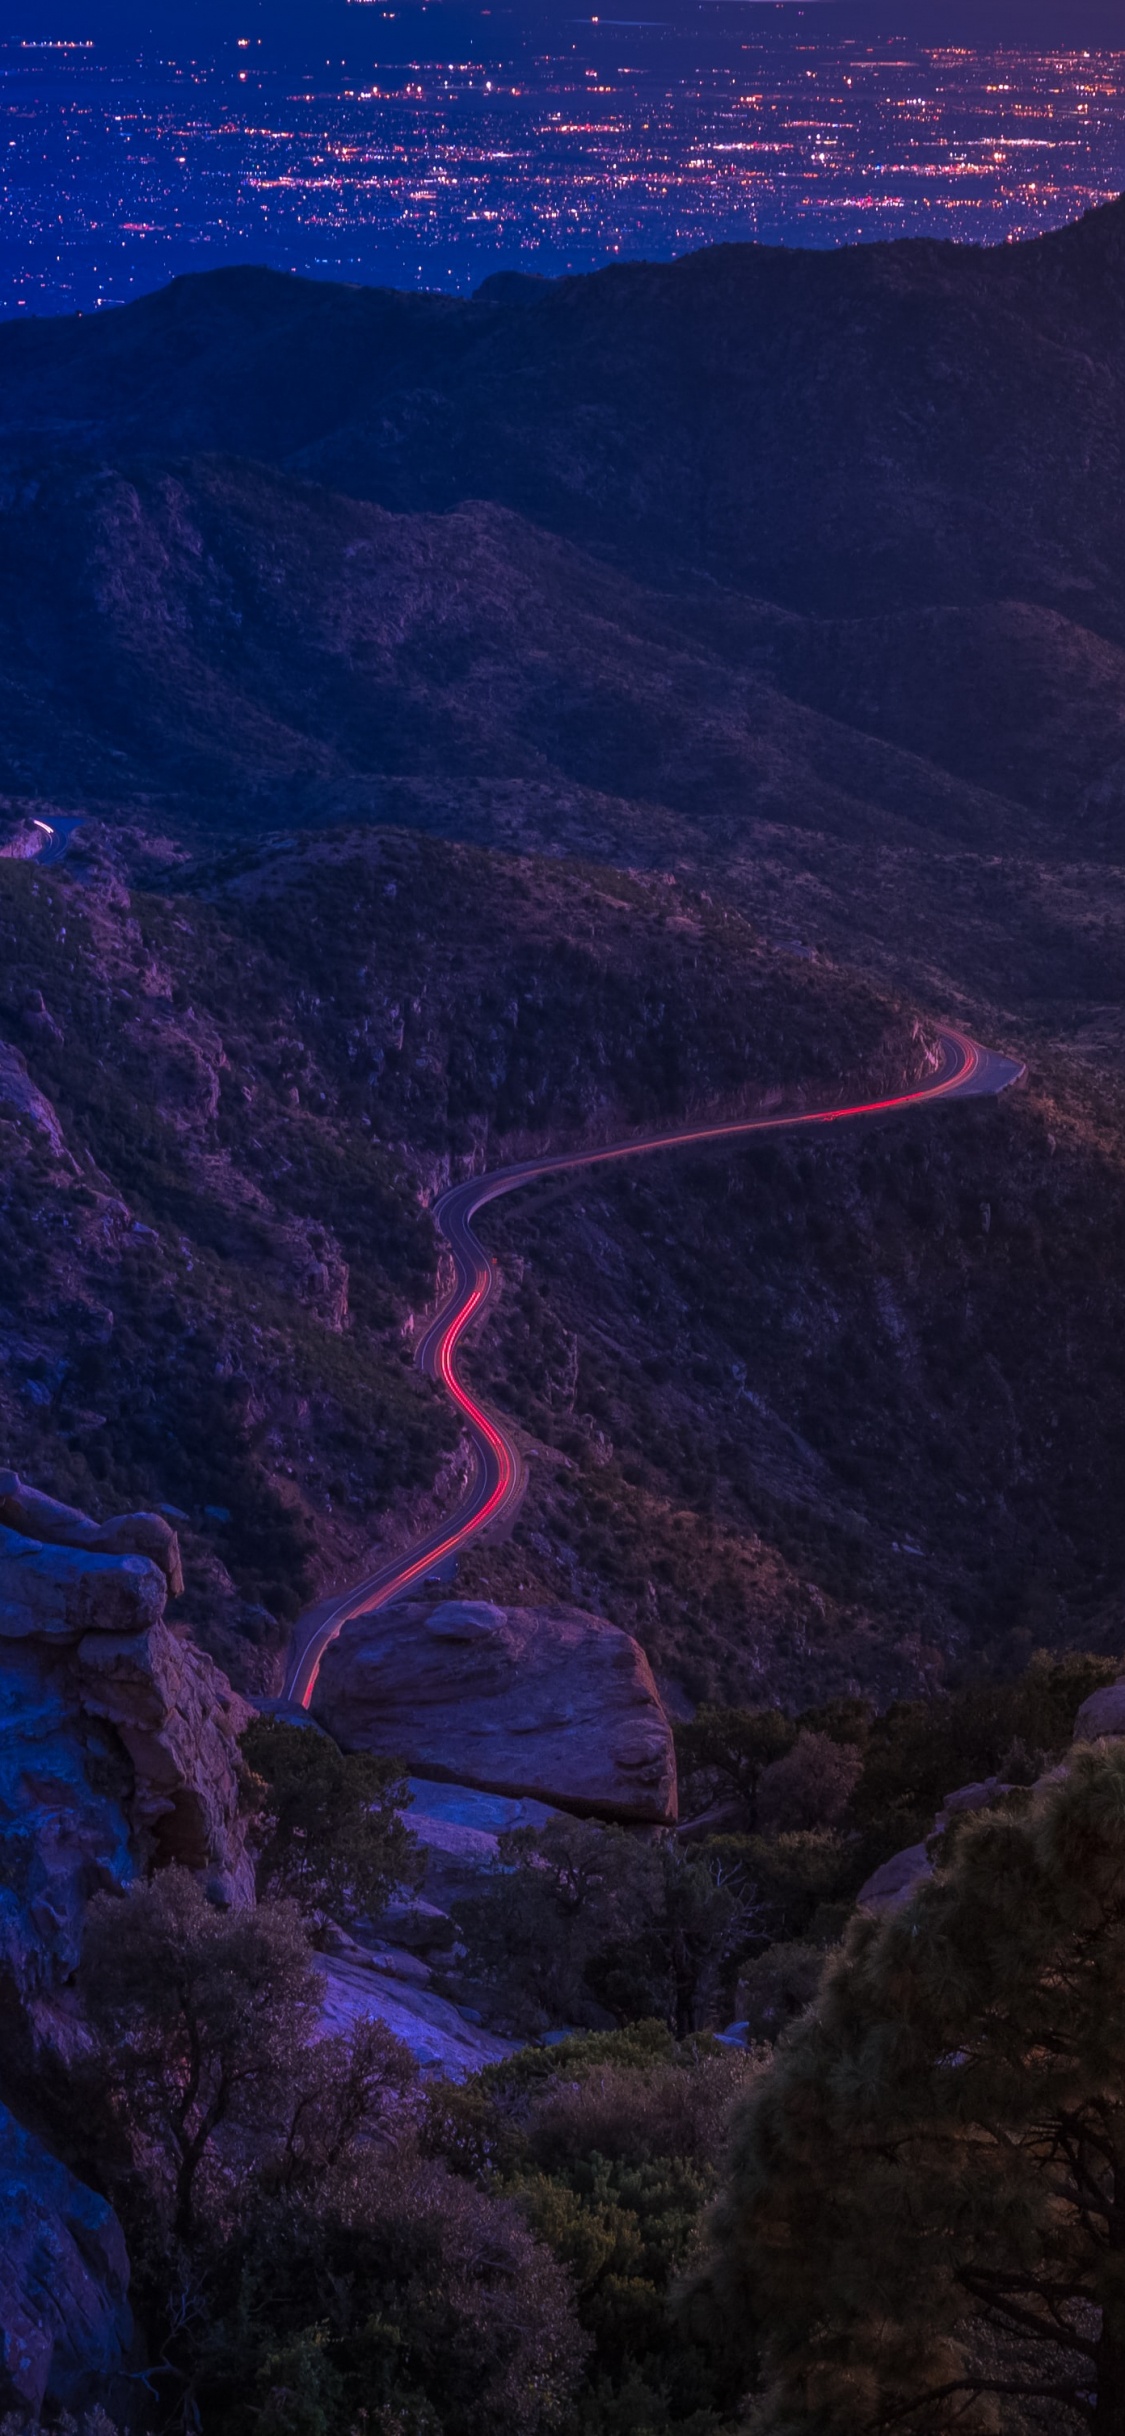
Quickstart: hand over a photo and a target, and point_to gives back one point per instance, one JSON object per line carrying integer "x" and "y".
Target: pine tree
{"x": 925, "y": 2218}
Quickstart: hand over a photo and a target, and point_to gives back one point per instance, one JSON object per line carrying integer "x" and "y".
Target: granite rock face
{"x": 19, "y": 1098}
{"x": 440, "y": 2037}
{"x": 179, "y": 1722}
{"x": 65, "y": 1790}
{"x": 549, "y": 1703}
{"x": 65, "y": 2328}
{"x": 118, "y": 1751}
{"x": 118, "y": 1748}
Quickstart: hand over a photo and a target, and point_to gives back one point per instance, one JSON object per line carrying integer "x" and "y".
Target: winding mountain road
{"x": 964, "y": 1071}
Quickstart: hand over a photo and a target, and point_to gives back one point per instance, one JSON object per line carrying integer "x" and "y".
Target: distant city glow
{"x": 436, "y": 172}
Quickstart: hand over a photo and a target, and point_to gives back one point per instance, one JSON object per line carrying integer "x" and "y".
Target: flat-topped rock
{"x": 459, "y": 1832}
{"x": 546, "y": 1703}
{"x": 462, "y": 1807}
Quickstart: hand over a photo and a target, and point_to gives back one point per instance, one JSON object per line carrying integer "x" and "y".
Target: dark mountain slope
{"x": 862, "y": 430}
{"x": 212, "y": 648}
{"x": 896, "y": 1358}
{"x": 1008, "y": 696}
{"x": 244, "y": 646}
{"x": 803, "y": 578}
{"x": 804, "y": 574}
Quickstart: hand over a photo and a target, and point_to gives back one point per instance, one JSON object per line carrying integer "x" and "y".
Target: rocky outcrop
{"x": 118, "y": 1750}
{"x": 179, "y": 1722}
{"x": 57, "y": 1594}
{"x": 416, "y": 1925}
{"x": 459, "y": 1832}
{"x": 549, "y": 1703}
{"x": 65, "y": 2328}
{"x": 38, "y": 1517}
{"x": 118, "y": 1747}
{"x": 21, "y": 1100}
{"x": 896, "y": 1880}
{"x": 65, "y": 1790}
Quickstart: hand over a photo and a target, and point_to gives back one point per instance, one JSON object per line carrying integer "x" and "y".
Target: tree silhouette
{"x": 926, "y": 2212}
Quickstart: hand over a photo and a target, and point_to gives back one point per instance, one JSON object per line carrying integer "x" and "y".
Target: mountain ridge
{"x": 656, "y": 410}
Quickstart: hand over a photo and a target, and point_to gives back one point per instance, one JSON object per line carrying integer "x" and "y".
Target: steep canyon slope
{"x": 225, "y": 1100}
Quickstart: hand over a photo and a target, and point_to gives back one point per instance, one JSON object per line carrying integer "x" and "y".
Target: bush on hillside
{"x": 921, "y": 1750}
{"x": 612, "y": 2145}
{"x": 396, "y": 2291}
{"x": 811, "y": 1787}
{"x": 297, "y": 2262}
{"x": 587, "y": 1924}
{"x": 326, "y": 1825}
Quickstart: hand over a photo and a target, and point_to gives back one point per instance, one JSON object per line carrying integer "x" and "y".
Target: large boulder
{"x": 65, "y": 2327}
{"x": 1102, "y": 1716}
{"x": 549, "y": 1703}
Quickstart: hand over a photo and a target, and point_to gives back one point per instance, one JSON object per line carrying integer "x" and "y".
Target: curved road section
{"x": 964, "y": 1071}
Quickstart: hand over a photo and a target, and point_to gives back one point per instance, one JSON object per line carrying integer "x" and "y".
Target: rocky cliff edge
{"x": 118, "y": 1751}
{"x": 118, "y": 1741}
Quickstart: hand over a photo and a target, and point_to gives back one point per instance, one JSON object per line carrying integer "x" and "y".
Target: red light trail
{"x": 965, "y": 1071}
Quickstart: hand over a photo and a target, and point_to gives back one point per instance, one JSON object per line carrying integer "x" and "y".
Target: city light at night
{"x": 598, "y": 141}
